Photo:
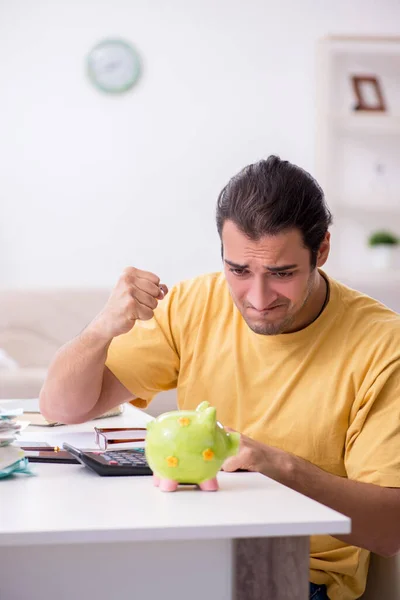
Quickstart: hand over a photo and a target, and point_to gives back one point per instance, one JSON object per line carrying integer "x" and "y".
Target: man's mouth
{"x": 266, "y": 310}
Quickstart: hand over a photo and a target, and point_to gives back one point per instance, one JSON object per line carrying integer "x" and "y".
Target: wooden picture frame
{"x": 368, "y": 92}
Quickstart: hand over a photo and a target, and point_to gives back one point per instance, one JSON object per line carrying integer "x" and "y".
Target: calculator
{"x": 112, "y": 462}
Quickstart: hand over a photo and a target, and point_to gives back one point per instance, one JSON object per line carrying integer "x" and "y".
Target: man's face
{"x": 270, "y": 280}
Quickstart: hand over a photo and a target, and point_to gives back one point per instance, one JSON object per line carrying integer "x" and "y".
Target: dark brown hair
{"x": 272, "y": 196}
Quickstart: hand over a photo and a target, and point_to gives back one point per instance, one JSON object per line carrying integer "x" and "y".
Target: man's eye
{"x": 284, "y": 275}
{"x": 238, "y": 272}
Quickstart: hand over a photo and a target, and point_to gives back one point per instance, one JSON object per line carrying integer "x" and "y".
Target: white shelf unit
{"x": 358, "y": 152}
{"x": 367, "y": 123}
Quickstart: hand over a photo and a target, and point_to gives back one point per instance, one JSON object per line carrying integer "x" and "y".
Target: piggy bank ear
{"x": 234, "y": 442}
{"x": 208, "y": 417}
{"x": 202, "y": 406}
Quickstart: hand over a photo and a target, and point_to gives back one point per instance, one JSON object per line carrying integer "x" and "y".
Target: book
{"x": 9, "y": 455}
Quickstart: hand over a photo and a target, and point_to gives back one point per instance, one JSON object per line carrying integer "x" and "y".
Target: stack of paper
{"x": 9, "y": 453}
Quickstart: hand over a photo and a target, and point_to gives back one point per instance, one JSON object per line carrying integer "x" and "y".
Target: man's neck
{"x": 314, "y": 305}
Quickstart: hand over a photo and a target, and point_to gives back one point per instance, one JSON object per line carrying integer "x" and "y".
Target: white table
{"x": 70, "y": 534}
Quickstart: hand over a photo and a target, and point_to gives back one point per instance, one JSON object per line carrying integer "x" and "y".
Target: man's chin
{"x": 269, "y": 328}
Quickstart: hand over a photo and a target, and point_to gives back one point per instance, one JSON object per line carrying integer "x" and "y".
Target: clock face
{"x": 113, "y": 66}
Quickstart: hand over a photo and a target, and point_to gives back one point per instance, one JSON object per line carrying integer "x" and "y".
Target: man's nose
{"x": 260, "y": 295}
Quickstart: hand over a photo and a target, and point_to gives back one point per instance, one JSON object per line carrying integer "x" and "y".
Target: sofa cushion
{"x": 35, "y": 323}
{"x": 21, "y": 383}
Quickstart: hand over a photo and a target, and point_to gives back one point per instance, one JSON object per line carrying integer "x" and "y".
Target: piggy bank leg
{"x": 210, "y": 485}
{"x": 168, "y": 485}
{"x": 156, "y": 480}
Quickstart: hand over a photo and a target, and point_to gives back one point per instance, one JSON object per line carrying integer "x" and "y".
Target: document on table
{"x": 85, "y": 440}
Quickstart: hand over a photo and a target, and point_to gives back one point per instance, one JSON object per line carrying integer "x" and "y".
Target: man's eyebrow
{"x": 235, "y": 265}
{"x": 282, "y": 268}
{"x": 270, "y": 269}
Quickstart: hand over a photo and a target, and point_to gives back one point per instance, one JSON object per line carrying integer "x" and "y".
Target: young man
{"x": 305, "y": 368}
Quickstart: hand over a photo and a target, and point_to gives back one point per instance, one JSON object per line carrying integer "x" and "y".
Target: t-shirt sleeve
{"x": 372, "y": 450}
{"x": 146, "y": 359}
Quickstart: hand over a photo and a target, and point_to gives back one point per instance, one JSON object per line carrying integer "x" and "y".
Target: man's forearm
{"x": 377, "y": 530}
{"x": 74, "y": 380}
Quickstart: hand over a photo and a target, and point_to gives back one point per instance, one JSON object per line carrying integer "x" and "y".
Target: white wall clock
{"x": 113, "y": 66}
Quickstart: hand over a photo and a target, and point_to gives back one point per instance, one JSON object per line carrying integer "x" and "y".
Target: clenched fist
{"x": 135, "y": 296}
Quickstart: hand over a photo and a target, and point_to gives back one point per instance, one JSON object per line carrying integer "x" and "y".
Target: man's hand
{"x": 135, "y": 296}
{"x": 252, "y": 456}
{"x": 374, "y": 510}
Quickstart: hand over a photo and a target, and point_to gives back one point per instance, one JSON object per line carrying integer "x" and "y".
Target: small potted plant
{"x": 383, "y": 245}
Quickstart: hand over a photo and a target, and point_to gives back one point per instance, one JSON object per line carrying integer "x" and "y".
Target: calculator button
{"x": 112, "y": 462}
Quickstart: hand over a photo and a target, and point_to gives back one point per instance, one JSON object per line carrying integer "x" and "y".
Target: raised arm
{"x": 78, "y": 385}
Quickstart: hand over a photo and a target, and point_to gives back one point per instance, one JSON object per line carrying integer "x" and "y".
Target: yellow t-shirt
{"x": 328, "y": 393}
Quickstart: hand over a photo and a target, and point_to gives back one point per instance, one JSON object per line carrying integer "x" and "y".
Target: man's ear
{"x": 324, "y": 249}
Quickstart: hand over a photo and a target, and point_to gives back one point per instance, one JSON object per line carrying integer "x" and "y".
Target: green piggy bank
{"x": 188, "y": 446}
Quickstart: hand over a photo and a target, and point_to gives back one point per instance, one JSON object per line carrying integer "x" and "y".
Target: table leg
{"x": 271, "y": 568}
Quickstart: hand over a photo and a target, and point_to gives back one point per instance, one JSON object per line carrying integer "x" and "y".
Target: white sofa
{"x": 35, "y": 323}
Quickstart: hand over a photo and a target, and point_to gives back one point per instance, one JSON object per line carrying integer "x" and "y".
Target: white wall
{"x": 91, "y": 183}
